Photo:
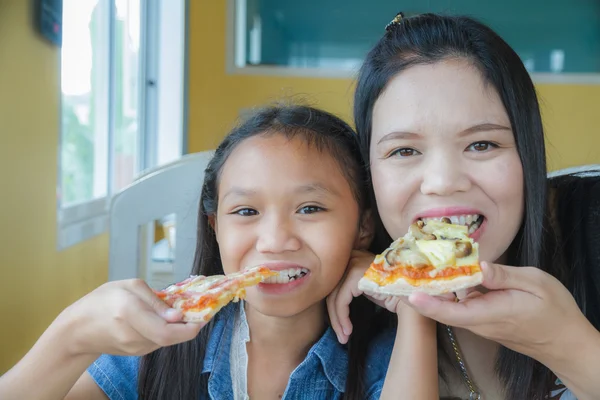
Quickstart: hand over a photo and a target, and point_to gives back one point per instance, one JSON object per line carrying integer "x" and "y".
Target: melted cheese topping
{"x": 431, "y": 256}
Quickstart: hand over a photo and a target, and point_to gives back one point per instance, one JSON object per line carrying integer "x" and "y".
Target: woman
{"x": 449, "y": 121}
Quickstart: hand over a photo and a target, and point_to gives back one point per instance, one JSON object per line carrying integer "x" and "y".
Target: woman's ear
{"x": 366, "y": 231}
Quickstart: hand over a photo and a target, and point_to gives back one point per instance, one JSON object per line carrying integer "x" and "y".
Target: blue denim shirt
{"x": 322, "y": 374}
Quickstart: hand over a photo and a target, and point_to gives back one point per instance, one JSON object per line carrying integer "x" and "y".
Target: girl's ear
{"x": 212, "y": 221}
{"x": 366, "y": 231}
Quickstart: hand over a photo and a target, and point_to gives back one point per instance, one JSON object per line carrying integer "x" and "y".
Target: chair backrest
{"x": 584, "y": 170}
{"x": 172, "y": 189}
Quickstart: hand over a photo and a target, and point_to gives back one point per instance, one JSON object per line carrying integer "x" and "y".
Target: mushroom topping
{"x": 417, "y": 231}
{"x": 463, "y": 249}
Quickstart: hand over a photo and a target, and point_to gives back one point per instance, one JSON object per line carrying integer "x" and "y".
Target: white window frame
{"x": 236, "y": 59}
{"x": 79, "y": 222}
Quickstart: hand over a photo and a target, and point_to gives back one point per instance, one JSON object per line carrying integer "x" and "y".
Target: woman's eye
{"x": 310, "y": 209}
{"x": 481, "y": 146}
{"x": 404, "y": 152}
{"x": 246, "y": 212}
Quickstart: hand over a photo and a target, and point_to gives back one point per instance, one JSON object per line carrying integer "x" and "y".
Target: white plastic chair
{"x": 171, "y": 189}
{"x": 584, "y": 170}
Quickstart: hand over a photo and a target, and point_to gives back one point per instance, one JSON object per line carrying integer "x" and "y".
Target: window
{"x": 557, "y": 41}
{"x": 113, "y": 124}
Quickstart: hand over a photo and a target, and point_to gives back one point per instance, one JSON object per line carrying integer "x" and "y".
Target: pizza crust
{"x": 433, "y": 287}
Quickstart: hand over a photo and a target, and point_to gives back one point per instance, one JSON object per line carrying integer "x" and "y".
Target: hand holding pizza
{"x": 338, "y": 302}
{"x": 525, "y": 309}
{"x": 123, "y": 318}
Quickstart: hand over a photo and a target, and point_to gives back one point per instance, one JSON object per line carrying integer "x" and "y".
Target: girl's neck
{"x": 292, "y": 336}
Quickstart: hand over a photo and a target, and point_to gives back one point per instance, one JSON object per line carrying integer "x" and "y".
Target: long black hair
{"x": 431, "y": 38}
{"x": 175, "y": 372}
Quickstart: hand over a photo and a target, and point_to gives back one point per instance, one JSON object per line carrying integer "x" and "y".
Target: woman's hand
{"x": 123, "y": 318}
{"x": 525, "y": 309}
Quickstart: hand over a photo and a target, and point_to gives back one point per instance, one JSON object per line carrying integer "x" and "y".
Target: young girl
{"x": 449, "y": 121}
{"x": 284, "y": 189}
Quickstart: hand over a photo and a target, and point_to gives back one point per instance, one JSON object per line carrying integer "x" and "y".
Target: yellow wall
{"x": 571, "y": 112}
{"x": 29, "y": 133}
{"x": 36, "y": 281}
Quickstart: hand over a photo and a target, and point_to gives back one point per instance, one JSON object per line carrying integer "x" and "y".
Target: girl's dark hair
{"x": 431, "y": 38}
{"x": 176, "y": 372}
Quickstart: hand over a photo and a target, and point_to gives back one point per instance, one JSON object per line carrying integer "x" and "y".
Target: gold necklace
{"x": 473, "y": 393}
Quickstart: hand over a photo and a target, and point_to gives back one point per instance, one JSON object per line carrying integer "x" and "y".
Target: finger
{"x": 333, "y": 317}
{"x": 447, "y": 297}
{"x": 526, "y": 279}
{"x": 153, "y": 327}
{"x": 148, "y": 296}
{"x": 465, "y": 313}
{"x": 342, "y": 305}
{"x": 376, "y": 298}
{"x": 391, "y": 303}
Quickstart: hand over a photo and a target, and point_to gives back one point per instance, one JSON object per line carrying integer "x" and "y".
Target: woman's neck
{"x": 479, "y": 355}
{"x": 288, "y": 337}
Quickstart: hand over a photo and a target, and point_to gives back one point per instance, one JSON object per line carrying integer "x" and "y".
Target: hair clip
{"x": 396, "y": 21}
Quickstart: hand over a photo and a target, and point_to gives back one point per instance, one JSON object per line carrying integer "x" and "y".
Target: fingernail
{"x": 171, "y": 313}
{"x": 347, "y": 331}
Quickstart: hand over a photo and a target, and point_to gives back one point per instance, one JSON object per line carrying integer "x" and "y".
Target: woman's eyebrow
{"x": 485, "y": 127}
{"x": 397, "y": 135}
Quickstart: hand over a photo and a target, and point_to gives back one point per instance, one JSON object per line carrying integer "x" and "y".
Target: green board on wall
{"x": 549, "y": 35}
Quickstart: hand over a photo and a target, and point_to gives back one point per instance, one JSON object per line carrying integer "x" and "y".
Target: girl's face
{"x": 288, "y": 206}
{"x": 442, "y": 145}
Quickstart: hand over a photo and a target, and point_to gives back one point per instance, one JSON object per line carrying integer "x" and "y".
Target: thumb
{"x": 152, "y": 298}
{"x": 168, "y": 313}
{"x": 497, "y": 277}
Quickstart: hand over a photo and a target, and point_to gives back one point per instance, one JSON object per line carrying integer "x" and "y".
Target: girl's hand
{"x": 338, "y": 302}
{"x": 123, "y": 318}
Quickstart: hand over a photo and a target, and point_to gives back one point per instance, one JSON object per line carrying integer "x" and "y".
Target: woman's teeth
{"x": 286, "y": 276}
{"x": 473, "y": 221}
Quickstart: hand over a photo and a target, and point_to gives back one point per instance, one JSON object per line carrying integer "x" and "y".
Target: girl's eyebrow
{"x": 315, "y": 187}
{"x": 239, "y": 191}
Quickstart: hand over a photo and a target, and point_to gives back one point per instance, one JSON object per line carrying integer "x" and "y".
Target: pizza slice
{"x": 200, "y": 298}
{"x": 435, "y": 257}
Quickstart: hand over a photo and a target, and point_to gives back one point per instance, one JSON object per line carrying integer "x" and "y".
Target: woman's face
{"x": 442, "y": 146}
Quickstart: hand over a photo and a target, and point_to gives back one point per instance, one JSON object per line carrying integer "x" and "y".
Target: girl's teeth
{"x": 287, "y": 275}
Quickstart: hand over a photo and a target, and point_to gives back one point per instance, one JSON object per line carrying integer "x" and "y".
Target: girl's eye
{"x": 481, "y": 147}
{"x": 404, "y": 152}
{"x": 310, "y": 209}
{"x": 246, "y": 212}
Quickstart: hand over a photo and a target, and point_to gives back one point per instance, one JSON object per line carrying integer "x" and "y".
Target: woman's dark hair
{"x": 175, "y": 372}
{"x": 431, "y": 38}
